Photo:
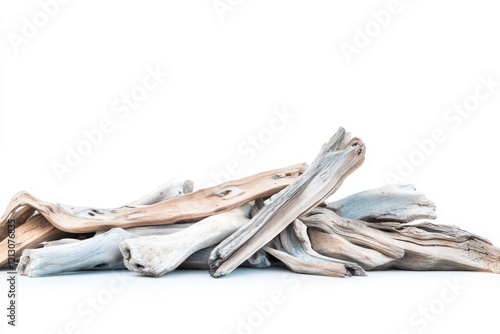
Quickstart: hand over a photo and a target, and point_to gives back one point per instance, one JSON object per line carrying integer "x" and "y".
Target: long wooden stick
{"x": 337, "y": 159}
{"x": 32, "y": 228}
{"x": 195, "y": 206}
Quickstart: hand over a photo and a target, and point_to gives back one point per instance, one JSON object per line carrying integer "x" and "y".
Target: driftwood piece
{"x": 197, "y": 205}
{"x": 371, "y": 230}
{"x": 199, "y": 260}
{"x": 19, "y": 216}
{"x": 33, "y": 228}
{"x": 102, "y": 252}
{"x": 293, "y": 247}
{"x": 158, "y": 255}
{"x": 28, "y": 235}
{"x": 68, "y": 255}
{"x": 333, "y": 245}
{"x": 414, "y": 246}
{"x": 97, "y": 252}
{"x": 337, "y": 159}
{"x": 392, "y": 203}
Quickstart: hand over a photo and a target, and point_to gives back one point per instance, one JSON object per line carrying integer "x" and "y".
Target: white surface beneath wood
{"x": 193, "y": 302}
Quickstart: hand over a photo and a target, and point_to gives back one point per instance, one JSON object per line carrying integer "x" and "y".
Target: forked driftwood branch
{"x": 280, "y": 213}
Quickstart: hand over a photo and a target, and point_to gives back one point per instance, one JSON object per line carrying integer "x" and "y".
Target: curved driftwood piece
{"x": 337, "y": 159}
{"x": 293, "y": 248}
{"x": 102, "y": 252}
{"x": 97, "y": 252}
{"x": 36, "y": 229}
{"x": 30, "y": 234}
{"x": 19, "y": 216}
{"x": 158, "y": 255}
{"x": 194, "y": 206}
{"x": 390, "y": 203}
{"x": 332, "y": 245}
{"x": 422, "y": 246}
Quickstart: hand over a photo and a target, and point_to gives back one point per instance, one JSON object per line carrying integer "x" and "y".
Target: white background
{"x": 227, "y": 76}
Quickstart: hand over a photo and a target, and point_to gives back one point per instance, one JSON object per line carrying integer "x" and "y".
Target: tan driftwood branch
{"x": 195, "y": 206}
{"x": 157, "y": 255}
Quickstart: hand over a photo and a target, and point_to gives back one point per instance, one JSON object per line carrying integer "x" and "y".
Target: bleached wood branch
{"x": 81, "y": 256}
{"x": 414, "y": 246}
{"x": 158, "y": 255}
{"x": 337, "y": 159}
{"x": 386, "y": 204}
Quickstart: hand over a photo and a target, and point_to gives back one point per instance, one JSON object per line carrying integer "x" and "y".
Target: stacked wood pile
{"x": 278, "y": 217}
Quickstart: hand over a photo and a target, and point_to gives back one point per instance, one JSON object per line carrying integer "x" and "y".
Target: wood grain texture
{"x": 157, "y": 255}
{"x": 33, "y": 228}
{"x": 195, "y": 206}
{"x": 337, "y": 159}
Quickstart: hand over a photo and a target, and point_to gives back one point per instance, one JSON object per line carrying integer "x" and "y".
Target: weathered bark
{"x": 337, "y": 159}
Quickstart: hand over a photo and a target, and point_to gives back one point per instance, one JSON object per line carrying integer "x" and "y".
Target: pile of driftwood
{"x": 272, "y": 218}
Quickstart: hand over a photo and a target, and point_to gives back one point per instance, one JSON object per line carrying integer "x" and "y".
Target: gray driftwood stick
{"x": 337, "y": 159}
{"x": 413, "y": 246}
{"x": 158, "y": 255}
{"x": 34, "y": 228}
{"x": 293, "y": 247}
{"x": 392, "y": 203}
{"x": 195, "y": 206}
{"x": 68, "y": 259}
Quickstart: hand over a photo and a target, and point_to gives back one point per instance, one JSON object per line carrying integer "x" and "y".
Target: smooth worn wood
{"x": 293, "y": 247}
{"x": 102, "y": 252}
{"x": 413, "y": 246}
{"x": 392, "y": 203}
{"x": 195, "y": 206}
{"x": 29, "y": 235}
{"x": 279, "y": 213}
{"x": 158, "y": 255}
{"x": 37, "y": 229}
{"x": 337, "y": 159}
